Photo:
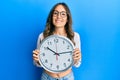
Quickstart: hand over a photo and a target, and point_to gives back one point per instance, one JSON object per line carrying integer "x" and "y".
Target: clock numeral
{"x": 64, "y": 64}
{"x": 49, "y": 43}
{"x": 43, "y": 54}
{"x": 46, "y": 61}
{"x": 71, "y": 53}
{"x": 68, "y": 47}
{"x": 63, "y": 42}
{"x": 45, "y": 48}
{"x": 57, "y": 66}
{"x": 56, "y": 40}
{"x": 69, "y": 59}
{"x": 51, "y": 65}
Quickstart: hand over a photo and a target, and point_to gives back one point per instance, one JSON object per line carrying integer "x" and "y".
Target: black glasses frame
{"x": 57, "y": 13}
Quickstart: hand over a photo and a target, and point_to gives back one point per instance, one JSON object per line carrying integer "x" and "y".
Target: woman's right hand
{"x": 35, "y": 55}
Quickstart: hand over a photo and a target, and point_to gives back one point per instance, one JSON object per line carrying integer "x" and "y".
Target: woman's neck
{"x": 61, "y": 32}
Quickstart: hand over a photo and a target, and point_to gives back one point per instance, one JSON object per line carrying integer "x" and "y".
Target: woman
{"x": 59, "y": 22}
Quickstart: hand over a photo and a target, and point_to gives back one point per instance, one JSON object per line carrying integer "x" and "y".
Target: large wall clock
{"x": 56, "y": 53}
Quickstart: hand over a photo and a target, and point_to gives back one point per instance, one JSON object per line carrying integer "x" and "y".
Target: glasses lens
{"x": 62, "y": 14}
{"x": 55, "y": 13}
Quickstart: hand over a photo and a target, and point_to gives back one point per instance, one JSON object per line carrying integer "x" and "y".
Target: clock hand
{"x": 56, "y": 52}
{"x": 51, "y": 50}
{"x": 65, "y": 52}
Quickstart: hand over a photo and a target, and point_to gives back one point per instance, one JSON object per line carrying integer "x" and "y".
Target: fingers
{"x": 36, "y": 52}
{"x": 36, "y": 59}
{"x": 76, "y": 54}
{"x": 35, "y": 55}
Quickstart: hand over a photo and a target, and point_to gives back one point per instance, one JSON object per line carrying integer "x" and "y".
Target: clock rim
{"x": 56, "y": 71}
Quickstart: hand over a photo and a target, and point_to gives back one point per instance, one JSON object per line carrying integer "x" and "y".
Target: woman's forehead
{"x": 60, "y": 8}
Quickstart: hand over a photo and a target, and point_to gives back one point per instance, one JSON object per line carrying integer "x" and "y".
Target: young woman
{"x": 59, "y": 22}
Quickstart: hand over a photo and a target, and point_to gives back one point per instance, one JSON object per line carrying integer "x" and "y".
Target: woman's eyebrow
{"x": 59, "y": 11}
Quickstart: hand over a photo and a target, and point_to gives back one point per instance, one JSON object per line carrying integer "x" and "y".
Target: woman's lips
{"x": 58, "y": 21}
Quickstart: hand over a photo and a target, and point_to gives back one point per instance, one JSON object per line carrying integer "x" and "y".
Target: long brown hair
{"x": 49, "y": 29}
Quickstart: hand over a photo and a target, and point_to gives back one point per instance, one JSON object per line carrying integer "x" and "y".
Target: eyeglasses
{"x": 62, "y": 14}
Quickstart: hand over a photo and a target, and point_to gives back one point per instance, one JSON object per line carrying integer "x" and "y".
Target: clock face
{"x": 56, "y": 53}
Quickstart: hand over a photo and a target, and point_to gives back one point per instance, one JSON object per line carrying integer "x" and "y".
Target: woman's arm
{"x": 77, "y": 50}
{"x": 37, "y": 51}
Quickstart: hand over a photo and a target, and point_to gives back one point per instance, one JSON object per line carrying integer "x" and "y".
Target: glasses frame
{"x": 59, "y": 13}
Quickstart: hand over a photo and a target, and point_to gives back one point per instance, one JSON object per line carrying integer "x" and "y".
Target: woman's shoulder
{"x": 41, "y": 36}
{"x": 76, "y": 34}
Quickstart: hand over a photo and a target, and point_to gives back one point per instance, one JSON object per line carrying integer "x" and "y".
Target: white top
{"x": 77, "y": 45}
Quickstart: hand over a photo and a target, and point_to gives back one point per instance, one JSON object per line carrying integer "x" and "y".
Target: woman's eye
{"x": 63, "y": 14}
{"x": 55, "y": 13}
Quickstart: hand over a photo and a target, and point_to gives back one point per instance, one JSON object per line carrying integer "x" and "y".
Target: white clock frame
{"x": 64, "y": 42}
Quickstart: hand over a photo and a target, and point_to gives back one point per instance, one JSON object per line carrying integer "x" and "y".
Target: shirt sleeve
{"x": 38, "y": 47}
{"x": 77, "y": 45}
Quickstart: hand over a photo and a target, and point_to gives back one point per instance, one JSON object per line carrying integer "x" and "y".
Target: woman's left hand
{"x": 76, "y": 55}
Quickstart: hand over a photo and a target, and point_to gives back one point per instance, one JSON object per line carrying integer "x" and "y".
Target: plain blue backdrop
{"x": 97, "y": 22}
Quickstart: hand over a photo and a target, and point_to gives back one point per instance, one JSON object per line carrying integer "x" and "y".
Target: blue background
{"x": 97, "y": 21}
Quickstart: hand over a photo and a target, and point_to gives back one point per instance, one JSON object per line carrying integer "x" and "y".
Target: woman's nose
{"x": 59, "y": 15}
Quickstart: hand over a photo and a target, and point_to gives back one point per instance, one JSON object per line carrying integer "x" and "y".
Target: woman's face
{"x": 59, "y": 17}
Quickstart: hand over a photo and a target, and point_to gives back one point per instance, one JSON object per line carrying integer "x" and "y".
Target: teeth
{"x": 58, "y": 21}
